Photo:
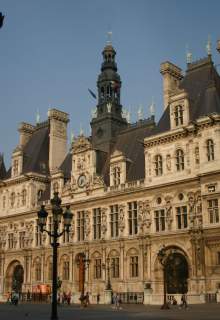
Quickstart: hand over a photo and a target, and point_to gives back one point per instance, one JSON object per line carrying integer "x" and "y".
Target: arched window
{"x": 179, "y": 160}
{"x": 23, "y": 197}
{"x": 12, "y": 199}
{"x": 178, "y": 115}
{"x": 39, "y": 194}
{"x": 210, "y": 150}
{"x": 158, "y": 165}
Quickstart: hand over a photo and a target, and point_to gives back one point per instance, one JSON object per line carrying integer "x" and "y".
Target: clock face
{"x": 82, "y": 181}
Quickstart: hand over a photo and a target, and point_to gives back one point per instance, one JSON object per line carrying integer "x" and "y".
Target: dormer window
{"x": 210, "y": 150}
{"x": 179, "y": 160}
{"x": 12, "y": 199}
{"x": 15, "y": 167}
{"x": 23, "y": 197}
{"x": 116, "y": 173}
{"x": 178, "y": 115}
{"x": 158, "y": 165}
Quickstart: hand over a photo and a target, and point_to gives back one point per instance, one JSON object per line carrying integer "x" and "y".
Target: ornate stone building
{"x": 133, "y": 189}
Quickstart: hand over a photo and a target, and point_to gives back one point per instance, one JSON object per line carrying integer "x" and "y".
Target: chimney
{"x": 26, "y": 130}
{"x": 58, "y": 137}
{"x": 171, "y": 79}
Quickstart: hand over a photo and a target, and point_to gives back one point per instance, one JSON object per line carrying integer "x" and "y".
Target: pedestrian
{"x": 8, "y": 296}
{"x": 28, "y": 295}
{"x": 98, "y": 298}
{"x": 68, "y": 298}
{"x": 184, "y": 302}
{"x": 87, "y": 299}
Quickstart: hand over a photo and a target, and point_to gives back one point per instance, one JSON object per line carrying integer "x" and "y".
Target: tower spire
{"x": 209, "y": 46}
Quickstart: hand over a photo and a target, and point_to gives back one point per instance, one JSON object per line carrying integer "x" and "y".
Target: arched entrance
{"x": 177, "y": 273}
{"x": 14, "y": 277}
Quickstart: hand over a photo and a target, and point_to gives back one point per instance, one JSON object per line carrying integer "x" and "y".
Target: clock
{"x": 81, "y": 181}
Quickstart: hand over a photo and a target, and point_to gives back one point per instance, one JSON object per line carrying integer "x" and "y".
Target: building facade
{"x": 133, "y": 189}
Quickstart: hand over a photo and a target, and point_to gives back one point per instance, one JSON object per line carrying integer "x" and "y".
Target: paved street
{"x": 104, "y": 312}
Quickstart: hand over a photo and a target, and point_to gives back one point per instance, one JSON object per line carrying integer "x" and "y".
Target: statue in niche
{"x": 103, "y": 221}
{"x": 121, "y": 221}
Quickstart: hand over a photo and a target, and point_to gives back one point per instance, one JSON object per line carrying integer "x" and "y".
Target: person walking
{"x": 87, "y": 299}
{"x": 184, "y": 302}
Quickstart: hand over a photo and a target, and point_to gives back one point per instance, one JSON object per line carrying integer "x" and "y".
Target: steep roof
{"x": 202, "y": 83}
{"x": 2, "y": 167}
{"x": 36, "y": 152}
{"x": 130, "y": 143}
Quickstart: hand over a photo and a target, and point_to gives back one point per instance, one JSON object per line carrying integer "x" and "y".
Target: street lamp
{"x": 57, "y": 212}
{"x": 162, "y": 257}
{"x": 108, "y": 267}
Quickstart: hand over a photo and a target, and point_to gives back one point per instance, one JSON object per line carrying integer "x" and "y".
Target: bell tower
{"x": 108, "y": 120}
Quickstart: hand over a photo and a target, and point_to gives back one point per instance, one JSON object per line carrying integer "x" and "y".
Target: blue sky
{"x": 50, "y": 54}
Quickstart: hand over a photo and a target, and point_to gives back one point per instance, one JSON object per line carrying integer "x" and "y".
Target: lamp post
{"x": 57, "y": 212}
{"x": 162, "y": 257}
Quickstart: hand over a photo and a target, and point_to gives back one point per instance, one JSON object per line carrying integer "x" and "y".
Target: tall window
{"x": 116, "y": 174}
{"x": 178, "y": 115}
{"x": 132, "y": 217}
{"x": 11, "y": 241}
{"x": 38, "y": 270}
{"x": 181, "y": 217}
{"x": 158, "y": 165}
{"x": 23, "y": 197}
{"x": 179, "y": 160}
{"x": 213, "y": 211}
{"x": 97, "y": 223}
{"x": 159, "y": 216}
{"x": 115, "y": 267}
{"x": 97, "y": 269}
{"x": 134, "y": 266}
{"x": 15, "y": 167}
{"x": 38, "y": 236}
{"x": 114, "y": 220}
{"x": 210, "y": 150}
{"x": 12, "y": 199}
{"x": 22, "y": 239}
{"x": 81, "y": 225}
{"x": 66, "y": 270}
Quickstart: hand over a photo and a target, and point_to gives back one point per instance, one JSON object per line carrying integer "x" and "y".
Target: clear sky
{"x": 50, "y": 54}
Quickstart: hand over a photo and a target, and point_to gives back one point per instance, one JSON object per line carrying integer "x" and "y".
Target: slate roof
{"x": 36, "y": 152}
{"x": 131, "y": 143}
{"x": 202, "y": 83}
{"x": 66, "y": 166}
{"x": 2, "y": 167}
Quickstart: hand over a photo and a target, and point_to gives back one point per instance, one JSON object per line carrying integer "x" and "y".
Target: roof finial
{"x": 209, "y": 46}
{"x": 140, "y": 112}
{"x": 81, "y": 132}
{"x": 72, "y": 136}
{"x": 188, "y": 55}
{"x": 37, "y": 117}
{"x": 109, "y": 37}
{"x": 152, "y": 108}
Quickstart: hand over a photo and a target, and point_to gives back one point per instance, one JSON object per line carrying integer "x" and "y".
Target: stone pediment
{"x": 81, "y": 144}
